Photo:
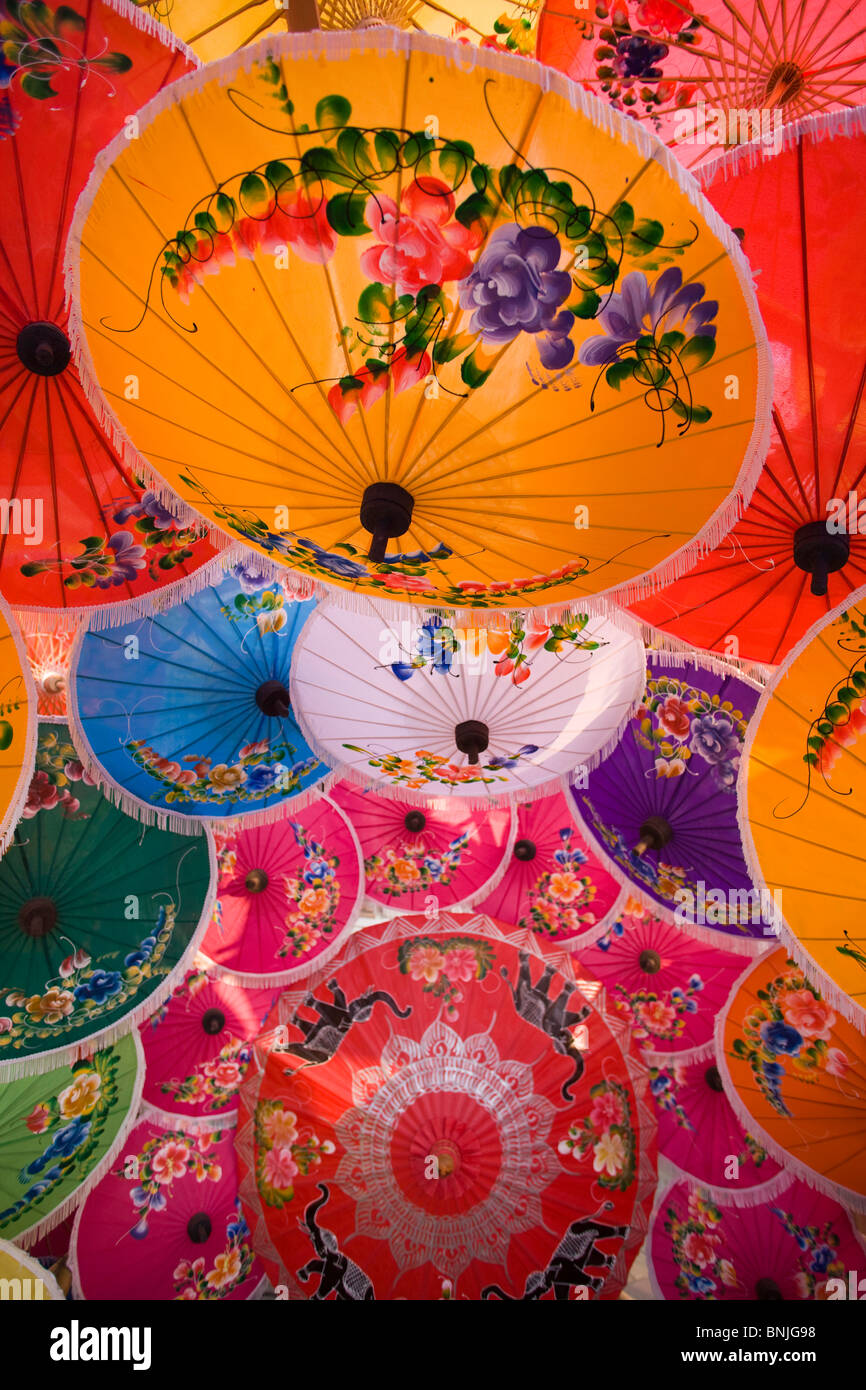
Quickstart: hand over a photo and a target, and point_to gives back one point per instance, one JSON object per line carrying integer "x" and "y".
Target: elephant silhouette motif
{"x": 323, "y": 1036}
{"x": 338, "y": 1275}
{"x": 566, "y": 1268}
{"x": 551, "y": 1016}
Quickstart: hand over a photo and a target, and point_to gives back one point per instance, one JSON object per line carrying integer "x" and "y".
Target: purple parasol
{"x": 663, "y": 804}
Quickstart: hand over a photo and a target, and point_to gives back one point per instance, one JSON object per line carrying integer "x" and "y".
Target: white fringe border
{"x": 335, "y": 47}
{"x": 832, "y": 992}
{"x": 846, "y": 123}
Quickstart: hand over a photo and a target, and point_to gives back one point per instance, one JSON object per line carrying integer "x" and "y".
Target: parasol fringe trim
{"x": 335, "y": 47}
{"x": 37, "y": 1065}
{"x": 74, "y": 1202}
{"x": 189, "y": 1124}
{"x": 829, "y": 125}
{"x": 142, "y": 19}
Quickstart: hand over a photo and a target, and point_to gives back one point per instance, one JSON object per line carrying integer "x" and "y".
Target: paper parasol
{"x": 17, "y": 724}
{"x": 553, "y": 885}
{"x": 802, "y": 792}
{"x": 704, "y": 73}
{"x": 409, "y": 366}
{"x": 795, "y": 1073}
{"x": 81, "y": 530}
{"x": 414, "y": 860}
{"x": 669, "y": 984}
{"x": 197, "y": 1047}
{"x": 663, "y": 805}
{"x": 447, "y": 1117}
{"x": 799, "y": 548}
{"x": 21, "y": 1276}
{"x": 49, "y": 654}
{"x": 787, "y": 1248}
{"x": 98, "y": 914}
{"x": 288, "y": 895}
{"x": 430, "y": 714}
{"x": 186, "y": 714}
{"x": 700, "y": 1135}
{"x": 216, "y": 28}
{"x": 166, "y": 1223}
{"x": 60, "y": 1131}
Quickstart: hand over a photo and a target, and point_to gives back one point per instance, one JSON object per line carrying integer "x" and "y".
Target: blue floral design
{"x": 781, "y": 1037}
{"x": 515, "y": 287}
{"x": 261, "y": 776}
{"x": 101, "y": 985}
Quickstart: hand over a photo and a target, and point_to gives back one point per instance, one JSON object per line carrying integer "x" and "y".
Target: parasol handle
{"x": 386, "y": 512}
{"x": 819, "y": 553}
{"x": 472, "y": 737}
{"x": 655, "y": 833}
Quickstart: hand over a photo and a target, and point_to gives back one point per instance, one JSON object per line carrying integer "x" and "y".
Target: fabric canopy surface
{"x": 410, "y": 365}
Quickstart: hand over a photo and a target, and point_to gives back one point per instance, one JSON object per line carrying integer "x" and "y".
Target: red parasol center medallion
{"x": 446, "y": 1152}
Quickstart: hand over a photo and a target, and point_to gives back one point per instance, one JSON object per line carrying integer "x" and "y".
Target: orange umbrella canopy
{"x": 422, "y": 327}
{"x": 78, "y": 528}
{"x": 802, "y": 793}
{"x": 796, "y": 1074}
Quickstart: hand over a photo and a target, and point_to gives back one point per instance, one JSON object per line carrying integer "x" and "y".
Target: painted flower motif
{"x": 607, "y": 1111}
{"x": 280, "y": 1127}
{"x": 664, "y": 17}
{"x": 169, "y": 1162}
{"x": 224, "y": 1072}
{"x": 515, "y": 287}
{"x": 82, "y": 1097}
{"x": 52, "y": 1006}
{"x": 780, "y": 1037}
{"x": 39, "y": 1119}
{"x": 698, "y": 1248}
{"x": 812, "y": 1018}
{"x": 462, "y": 965}
{"x": 223, "y": 778}
{"x": 280, "y": 1167}
{"x": 227, "y": 1267}
{"x": 639, "y": 310}
{"x": 565, "y": 887}
{"x": 636, "y": 59}
{"x": 426, "y": 963}
{"x": 419, "y": 245}
{"x": 673, "y": 715}
{"x": 6, "y": 1025}
{"x": 609, "y": 1154}
{"x": 714, "y": 737}
{"x": 99, "y": 986}
{"x": 728, "y": 1274}
{"x": 656, "y": 1016}
{"x": 836, "y": 1062}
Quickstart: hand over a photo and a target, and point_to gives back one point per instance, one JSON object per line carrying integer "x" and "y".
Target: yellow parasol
{"x": 421, "y": 321}
{"x": 803, "y": 803}
{"x": 215, "y": 28}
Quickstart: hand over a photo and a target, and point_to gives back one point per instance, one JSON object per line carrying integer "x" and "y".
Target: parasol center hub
{"x": 256, "y": 881}
{"x": 43, "y": 349}
{"x": 415, "y": 821}
{"x": 213, "y": 1021}
{"x": 524, "y": 850}
{"x": 767, "y": 1290}
{"x": 820, "y": 552}
{"x": 785, "y": 82}
{"x": 272, "y": 698}
{"x": 199, "y": 1228}
{"x": 447, "y": 1156}
{"x": 37, "y": 917}
{"x": 713, "y": 1078}
{"x": 650, "y": 962}
{"x": 655, "y": 833}
{"x": 472, "y": 737}
{"x": 386, "y": 512}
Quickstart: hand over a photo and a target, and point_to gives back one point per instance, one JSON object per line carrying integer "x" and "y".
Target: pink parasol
{"x": 786, "y": 1248}
{"x": 554, "y": 885}
{"x": 166, "y": 1222}
{"x": 671, "y": 983}
{"x": 421, "y": 860}
{"x": 288, "y": 893}
{"x": 197, "y": 1046}
{"x": 699, "y": 1133}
